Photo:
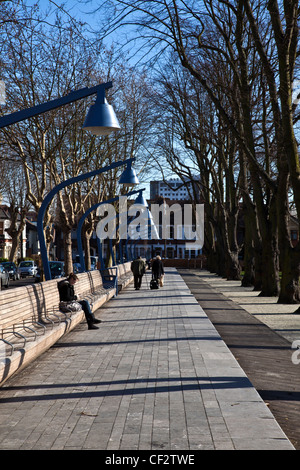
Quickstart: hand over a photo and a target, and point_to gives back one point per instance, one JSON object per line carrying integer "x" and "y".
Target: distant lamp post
{"x": 129, "y": 178}
{"x": 49, "y": 198}
{"x": 141, "y": 200}
{"x": 151, "y": 231}
{"x": 84, "y": 216}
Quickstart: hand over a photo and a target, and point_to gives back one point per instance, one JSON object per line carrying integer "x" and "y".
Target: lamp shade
{"x": 154, "y": 235}
{"x": 101, "y": 119}
{"x": 128, "y": 177}
{"x": 141, "y": 200}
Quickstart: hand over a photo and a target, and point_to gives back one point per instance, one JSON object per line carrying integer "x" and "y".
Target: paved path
{"x": 260, "y": 333}
{"x": 155, "y": 376}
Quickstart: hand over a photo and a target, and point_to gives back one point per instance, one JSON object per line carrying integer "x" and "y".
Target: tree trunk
{"x": 209, "y": 248}
{"x": 270, "y": 255}
{"x": 270, "y": 280}
{"x": 68, "y": 251}
{"x": 14, "y": 247}
{"x": 233, "y": 268}
{"x": 290, "y": 288}
{"x": 87, "y": 251}
{"x": 248, "y": 278}
{"x": 232, "y": 265}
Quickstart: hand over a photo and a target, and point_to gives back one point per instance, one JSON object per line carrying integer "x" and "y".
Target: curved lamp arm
{"x": 49, "y": 198}
{"x": 84, "y": 216}
{"x": 18, "y": 116}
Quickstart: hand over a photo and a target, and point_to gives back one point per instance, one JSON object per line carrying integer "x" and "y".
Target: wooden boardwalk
{"x": 265, "y": 356}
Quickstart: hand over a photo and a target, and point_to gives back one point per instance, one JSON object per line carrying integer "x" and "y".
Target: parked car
{"x": 77, "y": 268}
{"x": 94, "y": 261}
{"x": 27, "y": 268}
{"x": 4, "y": 276}
{"x": 12, "y": 269}
{"x": 57, "y": 270}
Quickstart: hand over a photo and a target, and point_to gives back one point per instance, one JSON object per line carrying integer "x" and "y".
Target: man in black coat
{"x": 138, "y": 268}
{"x": 157, "y": 268}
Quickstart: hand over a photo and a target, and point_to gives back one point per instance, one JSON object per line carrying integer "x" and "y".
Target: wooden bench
{"x": 123, "y": 273}
{"x": 31, "y": 322}
{"x": 117, "y": 277}
{"x": 90, "y": 286}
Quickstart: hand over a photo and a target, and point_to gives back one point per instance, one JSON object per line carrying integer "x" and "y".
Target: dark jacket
{"x": 158, "y": 268}
{"x": 138, "y": 267}
{"x": 66, "y": 291}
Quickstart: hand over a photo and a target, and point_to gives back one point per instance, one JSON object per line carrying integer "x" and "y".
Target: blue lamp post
{"x": 49, "y": 198}
{"x": 101, "y": 120}
{"x": 137, "y": 201}
{"x": 150, "y": 230}
{"x": 140, "y": 200}
{"x": 84, "y": 216}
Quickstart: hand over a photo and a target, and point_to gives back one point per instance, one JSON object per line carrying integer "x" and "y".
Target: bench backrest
{"x": 88, "y": 282}
{"x": 83, "y": 284}
{"x": 49, "y": 295}
{"x": 121, "y": 270}
{"x": 127, "y": 266}
{"x": 95, "y": 280}
{"x": 32, "y": 301}
{"x": 27, "y": 302}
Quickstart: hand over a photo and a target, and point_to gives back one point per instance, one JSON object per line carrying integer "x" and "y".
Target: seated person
{"x": 68, "y": 301}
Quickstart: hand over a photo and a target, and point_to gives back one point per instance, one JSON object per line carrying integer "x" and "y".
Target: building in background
{"x": 175, "y": 189}
{"x": 172, "y": 191}
{"x": 5, "y": 239}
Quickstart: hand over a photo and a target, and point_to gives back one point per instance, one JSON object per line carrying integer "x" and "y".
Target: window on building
{"x": 170, "y": 252}
{"x": 294, "y": 235}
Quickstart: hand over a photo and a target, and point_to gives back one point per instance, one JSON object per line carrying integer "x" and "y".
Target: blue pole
{"x": 49, "y": 198}
{"x": 99, "y": 245}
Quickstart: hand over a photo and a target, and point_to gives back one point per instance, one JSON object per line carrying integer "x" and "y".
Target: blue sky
{"x": 81, "y": 10}
{"x": 76, "y": 8}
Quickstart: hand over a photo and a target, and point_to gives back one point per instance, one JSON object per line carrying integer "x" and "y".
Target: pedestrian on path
{"x": 158, "y": 271}
{"x": 70, "y": 303}
{"x": 138, "y": 268}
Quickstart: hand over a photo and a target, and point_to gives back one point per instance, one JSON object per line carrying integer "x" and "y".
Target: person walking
{"x": 158, "y": 270}
{"x": 138, "y": 268}
{"x": 69, "y": 302}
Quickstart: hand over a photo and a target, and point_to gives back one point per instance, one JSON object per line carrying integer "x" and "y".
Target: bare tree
{"x": 284, "y": 22}
{"x": 236, "y": 34}
{"x": 44, "y": 63}
{"x": 41, "y": 65}
{"x": 13, "y": 190}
